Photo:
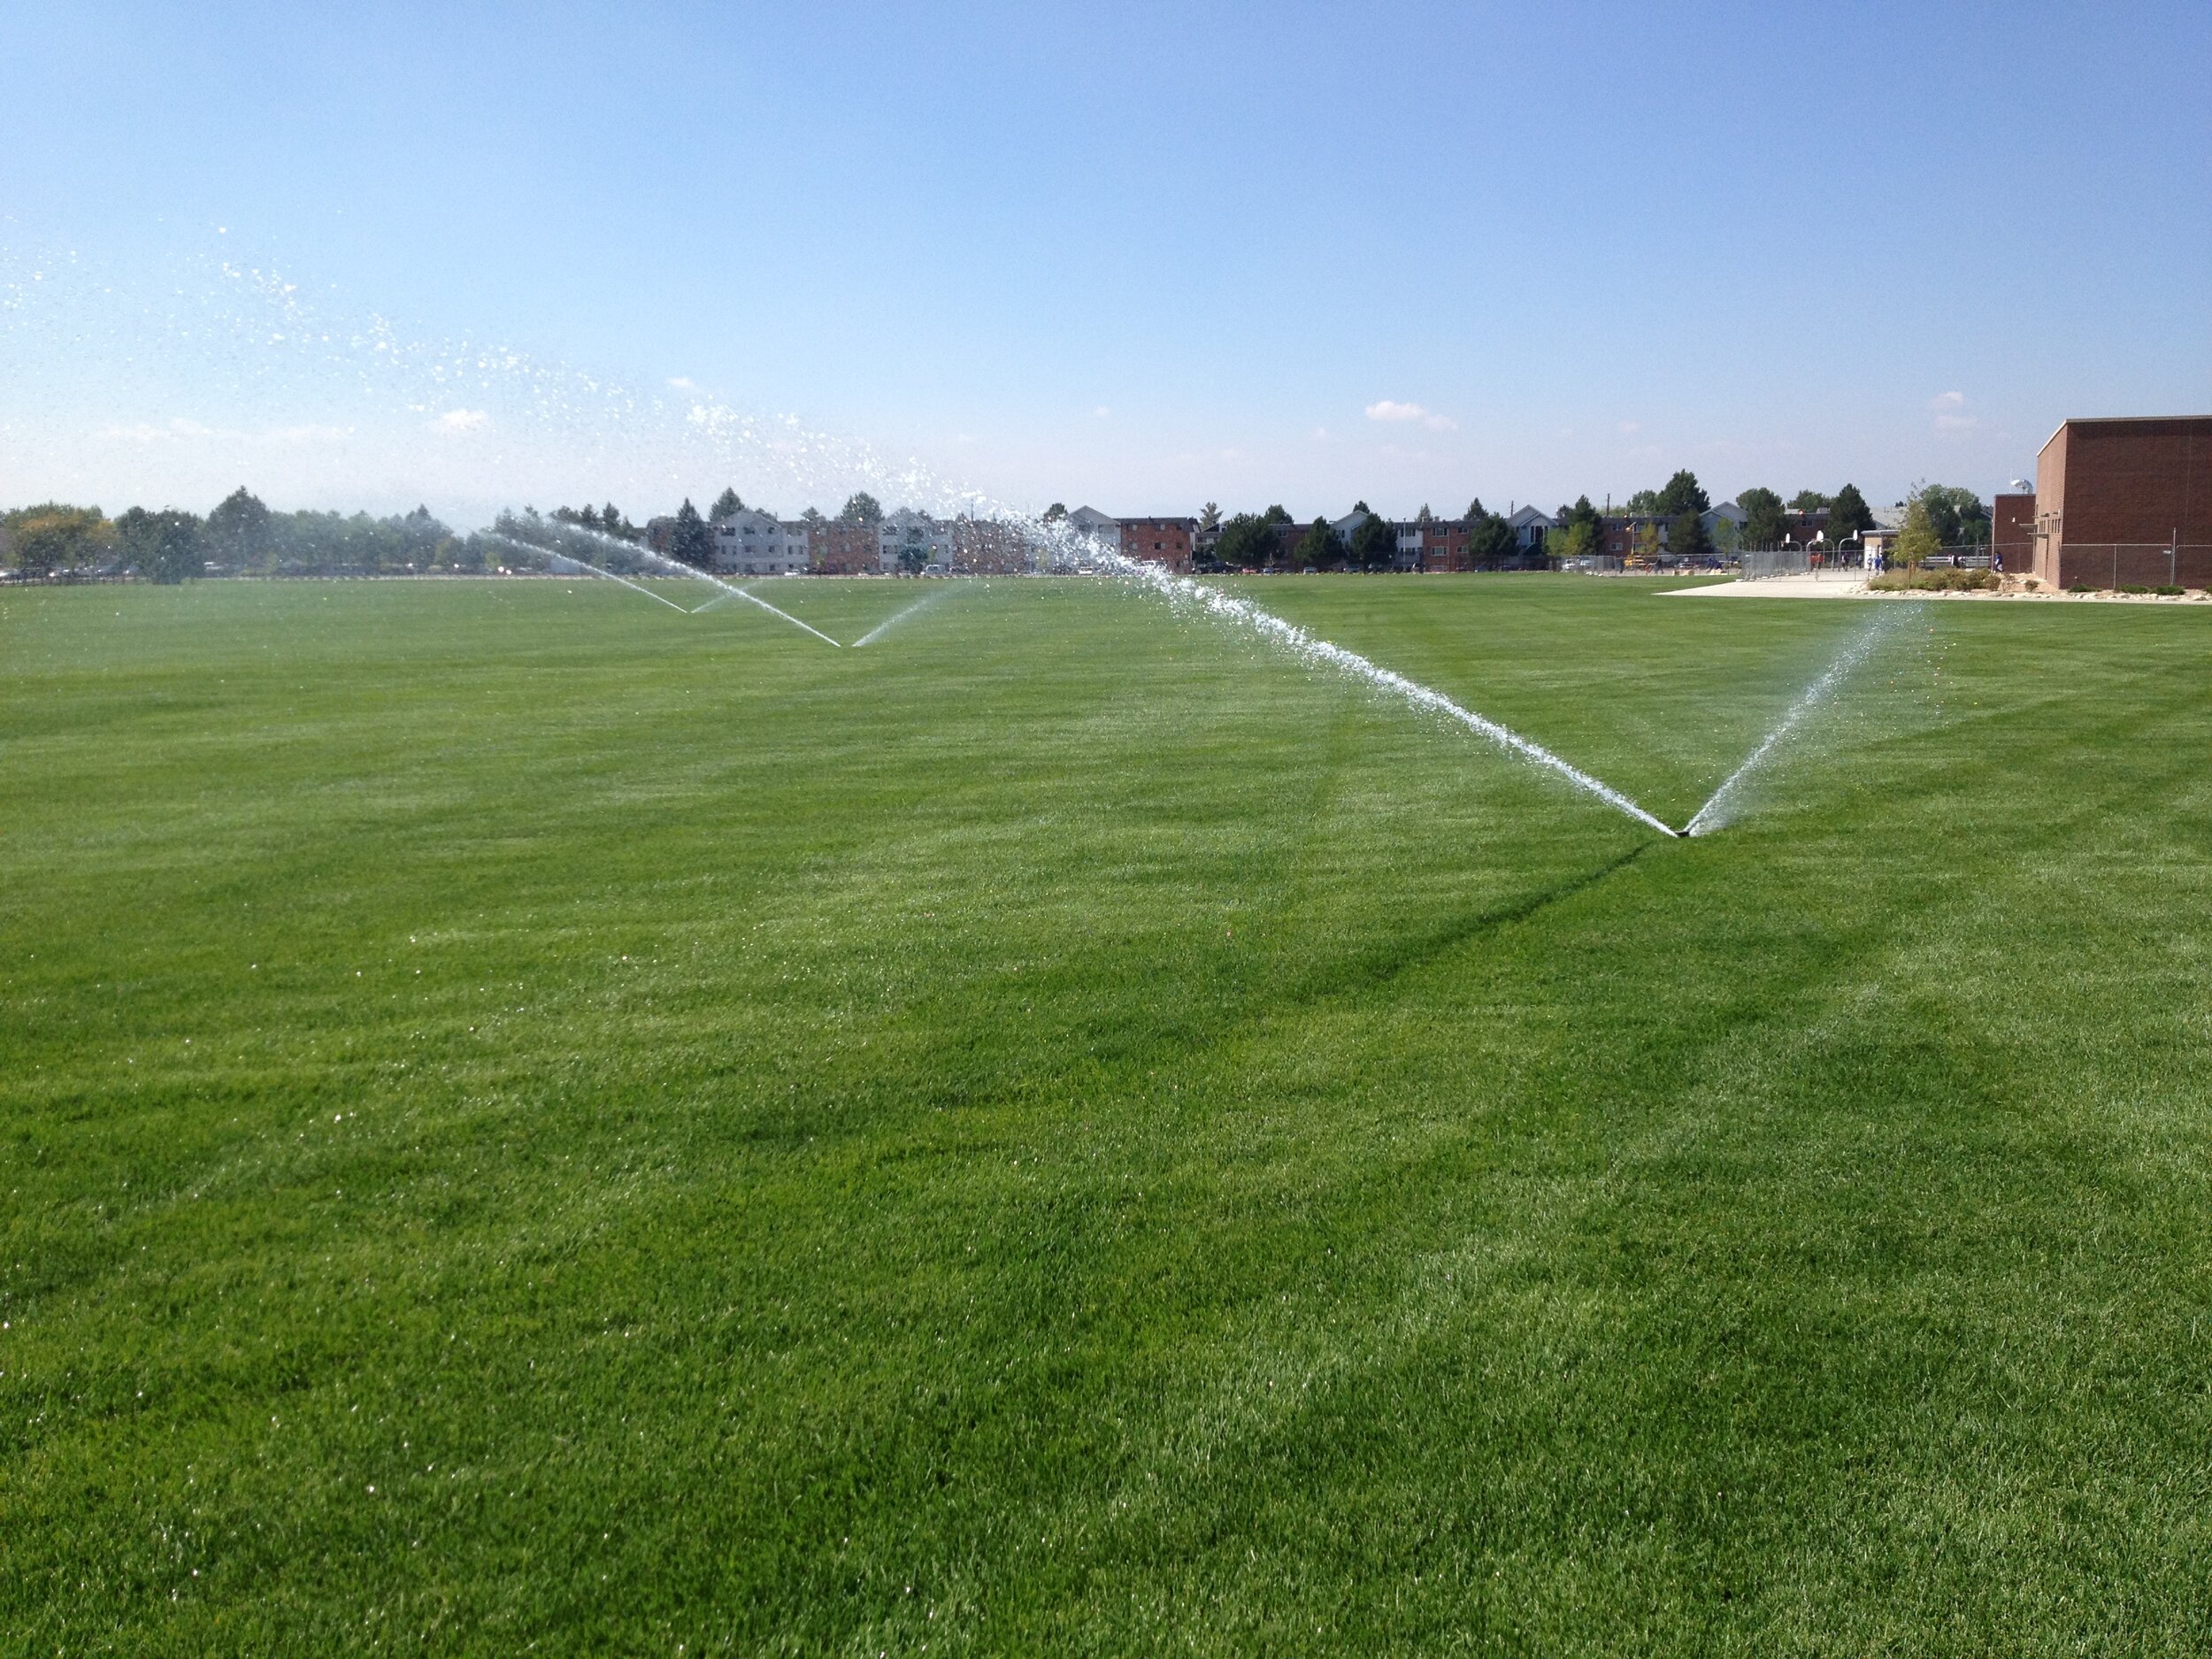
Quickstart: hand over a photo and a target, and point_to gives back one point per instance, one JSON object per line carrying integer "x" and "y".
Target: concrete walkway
{"x": 1825, "y": 585}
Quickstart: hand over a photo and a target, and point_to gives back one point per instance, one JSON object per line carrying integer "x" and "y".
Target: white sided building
{"x": 910, "y": 541}
{"x": 748, "y": 543}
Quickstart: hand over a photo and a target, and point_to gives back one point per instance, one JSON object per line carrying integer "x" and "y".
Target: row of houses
{"x": 753, "y": 543}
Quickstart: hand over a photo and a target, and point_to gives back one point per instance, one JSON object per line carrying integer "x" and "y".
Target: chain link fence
{"x": 2134, "y": 566}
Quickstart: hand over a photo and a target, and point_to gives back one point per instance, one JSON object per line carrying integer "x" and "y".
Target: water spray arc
{"x": 1719, "y": 807}
{"x": 1181, "y": 590}
{"x": 899, "y": 616}
{"x": 616, "y": 546}
{"x": 575, "y": 564}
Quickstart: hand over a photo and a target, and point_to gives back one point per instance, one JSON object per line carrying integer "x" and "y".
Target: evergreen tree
{"x": 1584, "y": 516}
{"x": 862, "y": 508}
{"x": 166, "y": 547}
{"x": 1686, "y": 538}
{"x": 1321, "y": 548}
{"x": 1848, "y": 515}
{"x": 726, "y": 505}
{"x": 1475, "y": 514}
{"x": 1375, "y": 545}
{"x": 691, "y": 542}
{"x": 1765, "y": 523}
{"x": 1248, "y": 541}
{"x": 1489, "y": 541}
{"x": 238, "y": 530}
{"x": 1683, "y": 494}
{"x": 1812, "y": 501}
{"x": 1275, "y": 515}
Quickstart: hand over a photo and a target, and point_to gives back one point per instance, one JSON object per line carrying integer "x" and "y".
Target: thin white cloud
{"x": 1946, "y": 400}
{"x": 1100, "y": 412}
{"x": 683, "y": 382}
{"x": 178, "y": 429}
{"x": 1631, "y": 427}
{"x": 463, "y": 421}
{"x": 1390, "y": 411}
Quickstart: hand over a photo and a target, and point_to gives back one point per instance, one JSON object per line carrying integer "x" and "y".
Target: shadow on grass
{"x": 1376, "y": 968}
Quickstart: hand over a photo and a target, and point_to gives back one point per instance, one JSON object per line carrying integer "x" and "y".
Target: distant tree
{"x": 52, "y": 537}
{"x": 1489, "y": 541}
{"x": 1248, "y": 543}
{"x": 1957, "y": 513}
{"x": 813, "y": 514}
{"x": 1686, "y": 538}
{"x": 726, "y": 505}
{"x": 692, "y": 541}
{"x": 862, "y": 508}
{"x": 613, "y": 523}
{"x": 1726, "y": 536}
{"x": 1210, "y": 516}
{"x": 1275, "y": 515}
{"x": 1574, "y": 541}
{"x": 1812, "y": 501}
{"x": 166, "y": 547}
{"x": 913, "y": 559}
{"x": 1052, "y": 514}
{"x": 238, "y": 530}
{"x": 1475, "y": 514}
{"x": 1320, "y": 548}
{"x": 1765, "y": 523}
{"x": 1584, "y": 514}
{"x": 1646, "y": 546}
{"x": 1375, "y": 543}
{"x": 1849, "y": 514}
{"x": 1917, "y": 537}
{"x": 1682, "y": 494}
{"x": 1644, "y": 504}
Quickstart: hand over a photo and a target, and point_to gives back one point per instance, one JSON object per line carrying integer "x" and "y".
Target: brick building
{"x": 1432, "y": 544}
{"x": 838, "y": 547}
{"x": 2012, "y": 532}
{"x": 988, "y": 547}
{"x": 2125, "y": 501}
{"x": 1159, "y": 540}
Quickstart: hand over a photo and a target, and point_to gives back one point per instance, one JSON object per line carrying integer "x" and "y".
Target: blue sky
{"x": 1147, "y": 256}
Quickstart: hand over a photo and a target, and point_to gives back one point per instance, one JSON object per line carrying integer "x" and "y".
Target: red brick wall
{"x": 1159, "y": 541}
{"x": 2133, "y": 486}
{"x": 2012, "y": 532}
{"x": 843, "y": 549}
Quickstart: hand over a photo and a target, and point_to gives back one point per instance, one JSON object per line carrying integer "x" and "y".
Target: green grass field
{"x": 533, "y": 1121}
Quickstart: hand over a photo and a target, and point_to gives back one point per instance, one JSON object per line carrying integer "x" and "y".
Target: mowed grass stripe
{"x": 1064, "y": 1131}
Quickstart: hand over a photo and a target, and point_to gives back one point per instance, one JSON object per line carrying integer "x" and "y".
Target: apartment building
{"x": 1168, "y": 541}
{"x": 750, "y": 543}
{"x": 911, "y": 542}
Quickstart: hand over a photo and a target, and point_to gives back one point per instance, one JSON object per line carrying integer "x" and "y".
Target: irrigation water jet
{"x": 1227, "y": 607}
{"x": 639, "y": 587}
{"x": 1720, "y": 806}
{"x": 897, "y": 617}
{"x": 676, "y": 567}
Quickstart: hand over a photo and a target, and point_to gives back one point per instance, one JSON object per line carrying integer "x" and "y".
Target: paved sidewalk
{"x": 1826, "y": 585}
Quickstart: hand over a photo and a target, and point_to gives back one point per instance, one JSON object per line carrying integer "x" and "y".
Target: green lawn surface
{"x": 531, "y": 1121}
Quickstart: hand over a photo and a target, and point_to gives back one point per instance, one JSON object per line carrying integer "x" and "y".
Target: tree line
{"x": 240, "y": 536}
